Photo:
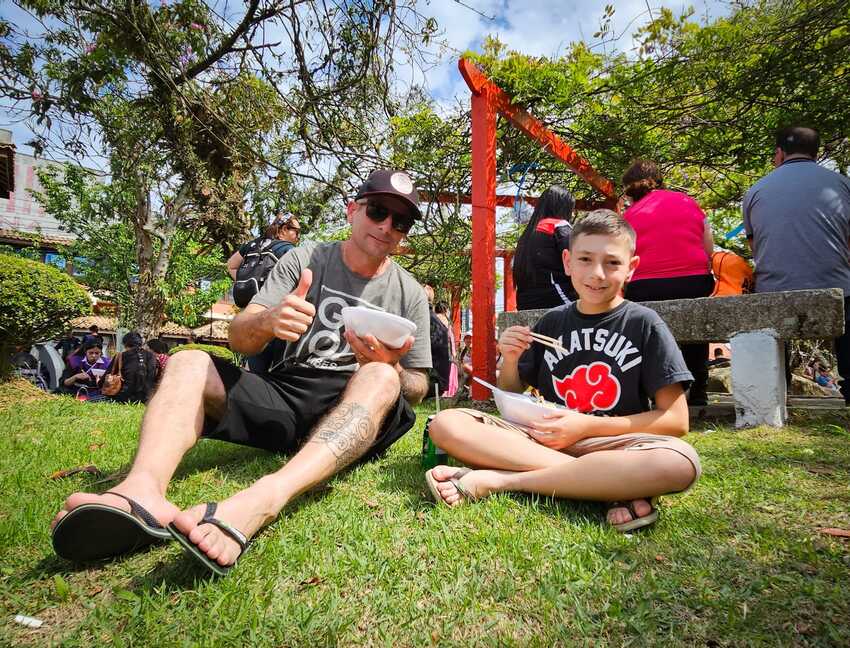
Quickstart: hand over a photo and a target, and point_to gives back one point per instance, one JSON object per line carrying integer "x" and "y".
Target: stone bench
{"x": 756, "y": 326}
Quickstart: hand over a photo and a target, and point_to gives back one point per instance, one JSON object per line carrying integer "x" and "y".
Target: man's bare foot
{"x": 621, "y": 514}
{"x": 247, "y": 511}
{"x": 476, "y": 483}
{"x": 138, "y": 488}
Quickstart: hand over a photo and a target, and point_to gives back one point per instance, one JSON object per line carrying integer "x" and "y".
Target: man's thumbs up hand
{"x": 303, "y": 284}
{"x": 293, "y": 316}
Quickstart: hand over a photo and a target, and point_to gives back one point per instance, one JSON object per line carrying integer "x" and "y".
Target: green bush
{"x": 219, "y": 352}
{"x": 37, "y": 302}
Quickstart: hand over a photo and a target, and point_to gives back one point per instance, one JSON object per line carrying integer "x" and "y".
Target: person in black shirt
{"x": 440, "y": 347}
{"x": 67, "y": 344}
{"x": 139, "y": 369}
{"x": 285, "y": 231}
{"x": 538, "y": 270}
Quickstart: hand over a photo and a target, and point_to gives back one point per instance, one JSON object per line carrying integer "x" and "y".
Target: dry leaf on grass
{"x": 91, "y": 468}
{"x": 838, "y": 533}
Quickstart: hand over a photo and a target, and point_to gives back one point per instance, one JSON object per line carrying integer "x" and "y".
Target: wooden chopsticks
{"x": 545, "y": 340}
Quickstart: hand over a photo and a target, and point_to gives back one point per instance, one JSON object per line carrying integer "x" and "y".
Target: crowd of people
{"x": 330, "y": 398}
{"x": 126, "y": 377}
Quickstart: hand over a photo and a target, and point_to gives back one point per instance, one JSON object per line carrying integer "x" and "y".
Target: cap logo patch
{"x": 401, "y": 183}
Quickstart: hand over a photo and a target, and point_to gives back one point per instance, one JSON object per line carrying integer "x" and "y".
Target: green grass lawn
{"x": 737, "y": 561}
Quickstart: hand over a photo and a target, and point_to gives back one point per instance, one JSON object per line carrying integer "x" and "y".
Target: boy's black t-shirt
{"x": 616, "y": 361}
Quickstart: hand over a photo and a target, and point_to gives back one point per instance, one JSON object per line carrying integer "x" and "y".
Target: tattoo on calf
{"x": 348, "y": 432}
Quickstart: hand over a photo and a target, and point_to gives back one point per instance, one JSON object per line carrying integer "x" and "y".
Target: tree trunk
{"x": 153, "y": 260}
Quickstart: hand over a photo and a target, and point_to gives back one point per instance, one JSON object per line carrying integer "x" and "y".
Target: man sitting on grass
{"x": 331, "y": 399}
{"x": 609, "y": 446}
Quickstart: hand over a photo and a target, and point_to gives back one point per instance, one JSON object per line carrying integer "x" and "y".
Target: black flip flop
{"x": 97, "y": 531}
{"x": 193, "y": 550}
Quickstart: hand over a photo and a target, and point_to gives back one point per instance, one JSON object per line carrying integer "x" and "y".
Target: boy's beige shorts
{"x": 597, "y": 444}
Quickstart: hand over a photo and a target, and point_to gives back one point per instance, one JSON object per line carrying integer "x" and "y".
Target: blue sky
{"x": 538, "y": 27}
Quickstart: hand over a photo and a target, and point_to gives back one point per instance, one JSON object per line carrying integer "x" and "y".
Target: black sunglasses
{"x": 378, "y": 213}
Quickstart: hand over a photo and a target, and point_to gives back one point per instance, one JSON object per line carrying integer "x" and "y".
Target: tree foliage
{"x": 200, "y": 108}
{"x": 37, "y": 302}
{"x": 217, "y": 351}
{"x": 103, "y": 251}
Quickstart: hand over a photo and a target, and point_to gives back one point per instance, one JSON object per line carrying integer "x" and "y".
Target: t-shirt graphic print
{"x": 334, "y": 287}
{"x": 323, "y": 345}
{"x": 589, "y": 388}
{"x": 612, "y": 363}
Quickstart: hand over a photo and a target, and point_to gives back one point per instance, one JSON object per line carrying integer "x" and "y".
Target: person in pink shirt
{"x": 674, "y": 244}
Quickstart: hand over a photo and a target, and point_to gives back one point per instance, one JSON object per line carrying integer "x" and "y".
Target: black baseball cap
{"x": 394, "y": 189}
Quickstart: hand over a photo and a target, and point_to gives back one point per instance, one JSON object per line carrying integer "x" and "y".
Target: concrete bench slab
{"x": 757, "y": 327}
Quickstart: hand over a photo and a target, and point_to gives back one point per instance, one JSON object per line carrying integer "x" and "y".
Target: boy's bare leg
{"x": 523, "y": 465}
{"x": 344, "y": 435}
{"x": 604, "y": 476}
{"x": 488, "y": 446}
{"x": 172, "y": 424}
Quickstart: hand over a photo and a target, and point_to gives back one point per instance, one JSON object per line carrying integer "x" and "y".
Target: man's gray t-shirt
{"x": 798, "y": 217}
{"x": 334, "y": 286}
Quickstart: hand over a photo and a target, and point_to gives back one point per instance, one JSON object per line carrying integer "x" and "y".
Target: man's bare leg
{"x": 344, "y": 435}
{"x": 521, "y": 464}
{"x": 171, "y": 426}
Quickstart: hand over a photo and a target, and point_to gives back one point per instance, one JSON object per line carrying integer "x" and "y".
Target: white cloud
{"x": 535, "y": 27}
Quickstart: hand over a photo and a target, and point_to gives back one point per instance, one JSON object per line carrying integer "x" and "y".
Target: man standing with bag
{"x": 251, "y": 264}
{"x": 336, "y": 398}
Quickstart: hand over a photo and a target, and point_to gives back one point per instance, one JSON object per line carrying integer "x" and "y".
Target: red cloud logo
{"x": 589, "y": 388}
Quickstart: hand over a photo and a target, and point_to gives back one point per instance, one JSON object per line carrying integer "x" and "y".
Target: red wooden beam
{"x": 483, "y": 243}
{"x": 481, "y": 84}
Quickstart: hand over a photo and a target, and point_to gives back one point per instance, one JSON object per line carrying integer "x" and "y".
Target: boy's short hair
{"x": 798, "y": 139}
{"x": 606, "y": 223}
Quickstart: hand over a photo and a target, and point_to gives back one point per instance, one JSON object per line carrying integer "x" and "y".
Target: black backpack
{"x": 261, "y": 256}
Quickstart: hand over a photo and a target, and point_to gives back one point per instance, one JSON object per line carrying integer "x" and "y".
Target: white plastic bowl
{"x": 522, "y": 408}
{"x": 390, "y": 329}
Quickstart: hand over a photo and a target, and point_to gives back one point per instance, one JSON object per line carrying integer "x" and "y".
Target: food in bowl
{"x": 523, "y": 408}
{"x": 392, "y": 330}
{"x": 520, "y": 408}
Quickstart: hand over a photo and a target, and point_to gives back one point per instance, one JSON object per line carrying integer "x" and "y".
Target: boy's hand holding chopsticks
{"x": 514, "y": 341}
{"x": 517, "y": 339}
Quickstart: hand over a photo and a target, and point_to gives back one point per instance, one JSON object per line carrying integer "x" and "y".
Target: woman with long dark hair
{"x": 538, "y": 271}
{"x": 674, "y": 244}
{"x": 138, "y": 369}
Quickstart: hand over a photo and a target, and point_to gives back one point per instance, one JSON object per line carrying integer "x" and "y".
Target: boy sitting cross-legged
{"x": 609, "y": 446}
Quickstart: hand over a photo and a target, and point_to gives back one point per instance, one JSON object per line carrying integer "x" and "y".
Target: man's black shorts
{"x": 278, "y": 412}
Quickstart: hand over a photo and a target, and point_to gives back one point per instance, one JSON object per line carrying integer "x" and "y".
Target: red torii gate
{"x": 488, "y": 100}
